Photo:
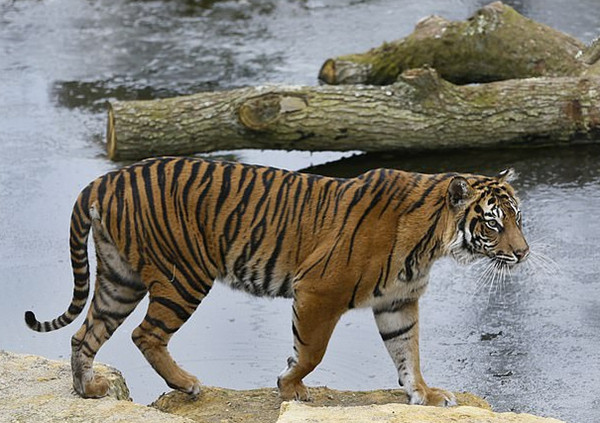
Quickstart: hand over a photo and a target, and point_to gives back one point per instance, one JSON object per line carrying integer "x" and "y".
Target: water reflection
{"x": 576, "y": 165}
{"x": 93, "y": 95}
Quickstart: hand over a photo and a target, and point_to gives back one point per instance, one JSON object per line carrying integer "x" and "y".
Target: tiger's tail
{"x": 79, "y": 232}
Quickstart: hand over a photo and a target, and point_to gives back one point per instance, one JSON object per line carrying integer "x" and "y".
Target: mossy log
{"x": 419, "y": 111}
{"x": 496, "y": 43}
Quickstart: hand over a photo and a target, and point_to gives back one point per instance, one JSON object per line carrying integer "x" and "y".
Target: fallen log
{"x": 419, "y": 111}
{"x": 496, "y": 43}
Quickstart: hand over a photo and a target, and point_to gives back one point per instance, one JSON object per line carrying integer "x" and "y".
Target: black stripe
{"x": 388, "y": 267}
{"x": 285, "y": 288}
{"x": 78, "y": 266}
{"x": 201, "y": 210}
{"x": 392, "y": 194}
{"x": 377, "y": 291}
{"x": 177, "y": 168}
{"x": 76, "y": 225}
{"x": 341, "y": 191}
{"x": 166, "y": 250}
{"x": 181, "y": 312}
{"x": 283, "y": 186}
{"x": 394, "y": 307}
{"x": 270, "y": 265}
{"x": 193, "y": 174}
{"x": 268, "y": 176}
{"x": 323, "y": 195}
{"x": 183, "y": 293}
{"x": 81, "y": 279}
{"x": 101, "y": 190}
{"x": 119, "y": 193}
{"x": 312, "y": 266}
{"x": 297, "y": 192}
{"x": 225, "y": 187}
{"x": 75, "y": 244}
{"x": 297, "y": 335}
{"x": 331, "y": 251}
{"x": 79, "y": 256}
{"x": 84, "y": 201}
{"x": 85, "y": 346}
{"x": 233, "y": 221}
{"x": 80, "y": 295}
{"x": 374, "y": 201}
{"x": 434, "y": 183}
{"x": 353, "y": 298}
{"x": 416, "y": 179}
{"x": 306, "y": 200}
{"x": 413, "y": 257}
{"x": 195, "y": 277}
{"x": 160, "y": 324}
{"x": 74, "y": 309}
{"x": 129, "y": 238}
{"x": 386, "y": 336}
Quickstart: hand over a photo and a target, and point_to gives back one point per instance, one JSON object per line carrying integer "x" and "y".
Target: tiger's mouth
{"x": 504, "y": 260}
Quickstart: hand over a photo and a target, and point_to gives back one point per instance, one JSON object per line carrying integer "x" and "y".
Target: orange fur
{"x": 170, "y": 227}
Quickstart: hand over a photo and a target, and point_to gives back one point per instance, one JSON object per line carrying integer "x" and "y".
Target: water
{"x": 531, "y": 346}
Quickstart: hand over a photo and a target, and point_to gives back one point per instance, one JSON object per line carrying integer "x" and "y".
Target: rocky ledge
{"x": 35, "y": 389}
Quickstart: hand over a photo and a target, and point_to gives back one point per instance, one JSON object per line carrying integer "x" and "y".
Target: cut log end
{"x": 111, "y": 135}
{"x": 327, "y": 72}
{"x": 258, "y": 113}
{"x": 339, "y": 72}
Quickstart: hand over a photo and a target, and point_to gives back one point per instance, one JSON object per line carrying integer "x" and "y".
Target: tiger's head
{"x": 489, "y": 220}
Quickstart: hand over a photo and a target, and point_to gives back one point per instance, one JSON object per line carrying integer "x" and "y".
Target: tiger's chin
{"x": 465, "y": 257}
{"x": 504, "y": 263}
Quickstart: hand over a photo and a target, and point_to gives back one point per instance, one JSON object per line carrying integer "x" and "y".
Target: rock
{"x": 294, "y": 412}
{"x": 263, "y": 405}
{"x": 35, "y": 389}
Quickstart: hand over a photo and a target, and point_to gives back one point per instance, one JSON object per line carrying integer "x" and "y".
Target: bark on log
{"x": 419, "y": 111}
{"x": 496, "y": 43}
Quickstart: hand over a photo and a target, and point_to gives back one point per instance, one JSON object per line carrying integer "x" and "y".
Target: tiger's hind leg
{"x": 171, "y": 305}
{"x": 117, "y": 291}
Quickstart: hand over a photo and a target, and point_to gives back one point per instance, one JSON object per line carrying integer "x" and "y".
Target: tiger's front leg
{"x": 314, "y": 318}
{"x": 398, "y": 324}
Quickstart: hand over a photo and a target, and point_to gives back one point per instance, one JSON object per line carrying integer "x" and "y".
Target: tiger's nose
{"x": 521, "y": 254}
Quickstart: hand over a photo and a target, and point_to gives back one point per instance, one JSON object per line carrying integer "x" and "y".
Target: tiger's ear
{"x": 460, "y": 193}
{"x": 507, "y": 175}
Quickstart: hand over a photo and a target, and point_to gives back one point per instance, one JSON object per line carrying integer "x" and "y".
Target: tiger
{"x": 169, "y": 227}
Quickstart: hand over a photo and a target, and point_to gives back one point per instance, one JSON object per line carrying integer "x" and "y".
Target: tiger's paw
{"x": 95, "y": 388}
{"x": 290, "y": 391}
{"x": 194, "y": 389}
{"x": 189, "y": 385}
{"x": 423, "y": 395}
